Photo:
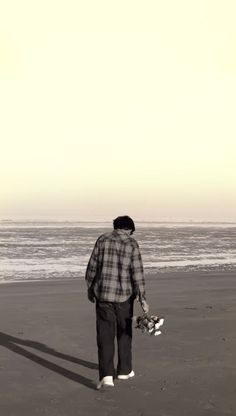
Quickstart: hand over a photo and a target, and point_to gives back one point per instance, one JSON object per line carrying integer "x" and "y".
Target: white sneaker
{"x": 106, "y": 382}
{"x": 126, "y": 376}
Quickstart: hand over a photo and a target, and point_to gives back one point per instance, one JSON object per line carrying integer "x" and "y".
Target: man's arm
{"x": 91, "y": 271}
{"x": 138, "y": 277}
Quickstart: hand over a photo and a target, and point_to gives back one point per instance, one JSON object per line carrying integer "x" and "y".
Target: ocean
{"x": 37, "y": 250}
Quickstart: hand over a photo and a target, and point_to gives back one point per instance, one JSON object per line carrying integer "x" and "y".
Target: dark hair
{"x": 124, "y": 222}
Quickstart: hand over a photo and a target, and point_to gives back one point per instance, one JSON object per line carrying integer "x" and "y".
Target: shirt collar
{"x": 122, "y": 231}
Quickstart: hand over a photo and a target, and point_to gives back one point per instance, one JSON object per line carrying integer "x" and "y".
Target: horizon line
{"x": 156, "y": 221}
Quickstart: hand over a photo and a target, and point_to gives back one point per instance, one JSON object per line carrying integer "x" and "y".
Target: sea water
{"x": 32, "y": 250}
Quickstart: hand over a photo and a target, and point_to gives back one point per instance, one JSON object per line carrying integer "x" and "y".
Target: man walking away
{"x": 115, "y": 278}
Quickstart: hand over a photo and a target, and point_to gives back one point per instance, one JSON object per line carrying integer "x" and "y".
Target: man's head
{"x": 124, "y": 223}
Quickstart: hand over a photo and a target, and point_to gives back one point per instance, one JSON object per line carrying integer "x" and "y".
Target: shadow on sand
{"x": 15, "y": 344}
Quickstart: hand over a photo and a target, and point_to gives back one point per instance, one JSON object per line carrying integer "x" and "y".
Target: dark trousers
{"x": 114, "y": 320}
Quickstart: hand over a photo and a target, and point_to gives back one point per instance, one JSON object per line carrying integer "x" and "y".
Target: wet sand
{"x": 48, "y": 355}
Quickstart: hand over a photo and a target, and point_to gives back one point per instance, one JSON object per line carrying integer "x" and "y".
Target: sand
{"x": 48, "y": 355}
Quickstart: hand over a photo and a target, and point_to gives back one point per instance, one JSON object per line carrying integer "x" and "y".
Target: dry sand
{"x": 48, "y": 355}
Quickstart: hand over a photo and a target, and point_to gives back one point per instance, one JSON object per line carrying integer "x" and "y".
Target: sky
{"x": 112, "y": 108}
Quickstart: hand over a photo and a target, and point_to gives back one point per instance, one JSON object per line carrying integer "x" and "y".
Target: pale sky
{"x": 111, "y": 108}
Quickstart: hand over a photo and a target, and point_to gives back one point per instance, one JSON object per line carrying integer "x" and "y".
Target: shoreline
{"x": 148, "y": 276}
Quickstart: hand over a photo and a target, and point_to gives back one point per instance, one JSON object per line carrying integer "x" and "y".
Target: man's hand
{"x": 91, "y": 296}
{"x": 145, "y": 306}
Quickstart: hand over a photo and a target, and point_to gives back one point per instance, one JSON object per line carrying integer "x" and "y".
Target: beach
{"x": 49, "y": 355}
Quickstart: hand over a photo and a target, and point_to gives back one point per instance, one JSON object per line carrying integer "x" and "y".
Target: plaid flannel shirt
{"x": 115, "y": 269}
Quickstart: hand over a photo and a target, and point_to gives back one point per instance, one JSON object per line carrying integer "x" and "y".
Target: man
{"x": 115, "y": 278}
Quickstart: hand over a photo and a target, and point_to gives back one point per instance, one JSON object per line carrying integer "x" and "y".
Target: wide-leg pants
{"x": 114, "y": 320}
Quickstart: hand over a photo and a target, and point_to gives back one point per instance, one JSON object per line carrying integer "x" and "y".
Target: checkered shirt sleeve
{"x": 92, "y": 265}
{"x": 137, "y": 273}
